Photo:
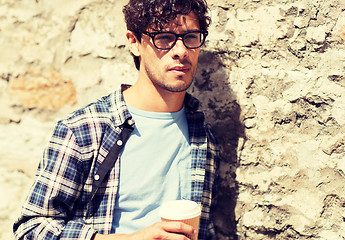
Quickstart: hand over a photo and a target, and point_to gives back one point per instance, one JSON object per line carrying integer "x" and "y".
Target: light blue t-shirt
{"x": 155, "y": 167}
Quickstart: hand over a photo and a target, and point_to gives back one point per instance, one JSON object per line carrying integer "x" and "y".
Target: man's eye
{"x": 192, "y": 36}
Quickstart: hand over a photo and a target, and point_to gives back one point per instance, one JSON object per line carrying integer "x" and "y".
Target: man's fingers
{"x": 164, "y": 231}
{"x": 178, "y": 227}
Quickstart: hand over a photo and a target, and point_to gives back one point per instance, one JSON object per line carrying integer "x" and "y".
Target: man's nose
{"x": 180, "y": 49}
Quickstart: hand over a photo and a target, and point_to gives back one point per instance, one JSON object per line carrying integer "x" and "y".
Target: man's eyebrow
{"x": 182, "y": 32}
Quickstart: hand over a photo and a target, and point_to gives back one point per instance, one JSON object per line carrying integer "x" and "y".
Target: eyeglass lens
{"x": 167, "y": 40}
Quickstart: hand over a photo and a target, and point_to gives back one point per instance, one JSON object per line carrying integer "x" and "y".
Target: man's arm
{"x": 157, "y": 231}
{"x": 58, "y": 184}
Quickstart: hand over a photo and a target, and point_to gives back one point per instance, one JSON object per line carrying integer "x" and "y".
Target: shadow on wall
{"x": 211, "y": 86}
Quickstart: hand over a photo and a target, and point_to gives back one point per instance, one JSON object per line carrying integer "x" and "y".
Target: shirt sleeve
{"x": 212, "y": 172}
{"x": 46, "y": 212}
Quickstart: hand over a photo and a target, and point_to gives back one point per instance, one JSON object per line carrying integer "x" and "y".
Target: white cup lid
{"x": 179, "y": 210}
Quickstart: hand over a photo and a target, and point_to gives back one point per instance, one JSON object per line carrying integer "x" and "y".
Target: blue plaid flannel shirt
{"x": 58, "y": 205}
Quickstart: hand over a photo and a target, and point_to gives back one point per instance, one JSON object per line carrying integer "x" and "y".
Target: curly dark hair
{"x": 156, "y": 14}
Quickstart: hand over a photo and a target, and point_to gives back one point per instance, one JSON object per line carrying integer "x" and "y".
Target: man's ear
{"x": 133, "y": 43}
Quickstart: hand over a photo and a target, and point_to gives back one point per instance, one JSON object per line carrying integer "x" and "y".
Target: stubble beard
{"x": 169, "y": 87}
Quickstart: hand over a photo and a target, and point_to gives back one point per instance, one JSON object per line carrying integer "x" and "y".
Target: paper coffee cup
{"x": 182, "y": 211}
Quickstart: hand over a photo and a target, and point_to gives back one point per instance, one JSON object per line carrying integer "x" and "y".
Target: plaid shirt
{"x": 61, "y": 205}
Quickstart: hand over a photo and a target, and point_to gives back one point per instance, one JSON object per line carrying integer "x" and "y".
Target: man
{"x": 109, "y": 166}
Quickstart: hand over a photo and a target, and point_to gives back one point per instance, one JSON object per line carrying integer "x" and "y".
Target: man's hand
{"x": 164, "y": 230}
{"x": 157, "y": 231}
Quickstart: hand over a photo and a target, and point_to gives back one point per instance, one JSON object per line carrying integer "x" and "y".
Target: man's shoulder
{"x": 98, "y": 111}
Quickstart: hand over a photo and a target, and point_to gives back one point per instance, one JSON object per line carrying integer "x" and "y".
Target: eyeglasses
{"x": 167, "y": 40}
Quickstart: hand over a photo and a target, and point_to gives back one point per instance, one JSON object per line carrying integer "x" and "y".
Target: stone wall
{"x": 271, "y": 79}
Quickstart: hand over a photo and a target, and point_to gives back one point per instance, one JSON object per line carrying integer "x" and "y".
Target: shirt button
{"x": 119, "y": 143}
{"x": 130, "y": 121}
{"x": 96, "y": 177}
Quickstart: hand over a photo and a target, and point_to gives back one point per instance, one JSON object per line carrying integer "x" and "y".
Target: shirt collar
{"x": 118, "y": 108}
{"x": 191, "y": 103}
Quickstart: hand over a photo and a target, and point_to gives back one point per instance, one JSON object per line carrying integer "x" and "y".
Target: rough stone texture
{"x": 44, "y": 89}
{"x": 271, "y": 79}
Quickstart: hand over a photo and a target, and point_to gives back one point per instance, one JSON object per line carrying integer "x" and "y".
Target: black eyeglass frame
{"x": 152, "y": 35}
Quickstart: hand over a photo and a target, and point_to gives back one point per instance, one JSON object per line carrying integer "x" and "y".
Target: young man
{"x": 109, "y": 166}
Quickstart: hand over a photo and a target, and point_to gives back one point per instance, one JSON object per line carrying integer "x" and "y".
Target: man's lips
{"x": 180, "y": 69}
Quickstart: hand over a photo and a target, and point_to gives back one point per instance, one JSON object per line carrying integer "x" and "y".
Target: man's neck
{"x": 149, "y": 97}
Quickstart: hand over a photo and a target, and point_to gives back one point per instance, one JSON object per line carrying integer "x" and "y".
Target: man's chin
{"x": 176, "y": 88}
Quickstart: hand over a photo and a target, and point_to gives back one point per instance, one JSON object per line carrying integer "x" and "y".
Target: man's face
{"x": 174, "y": 69}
